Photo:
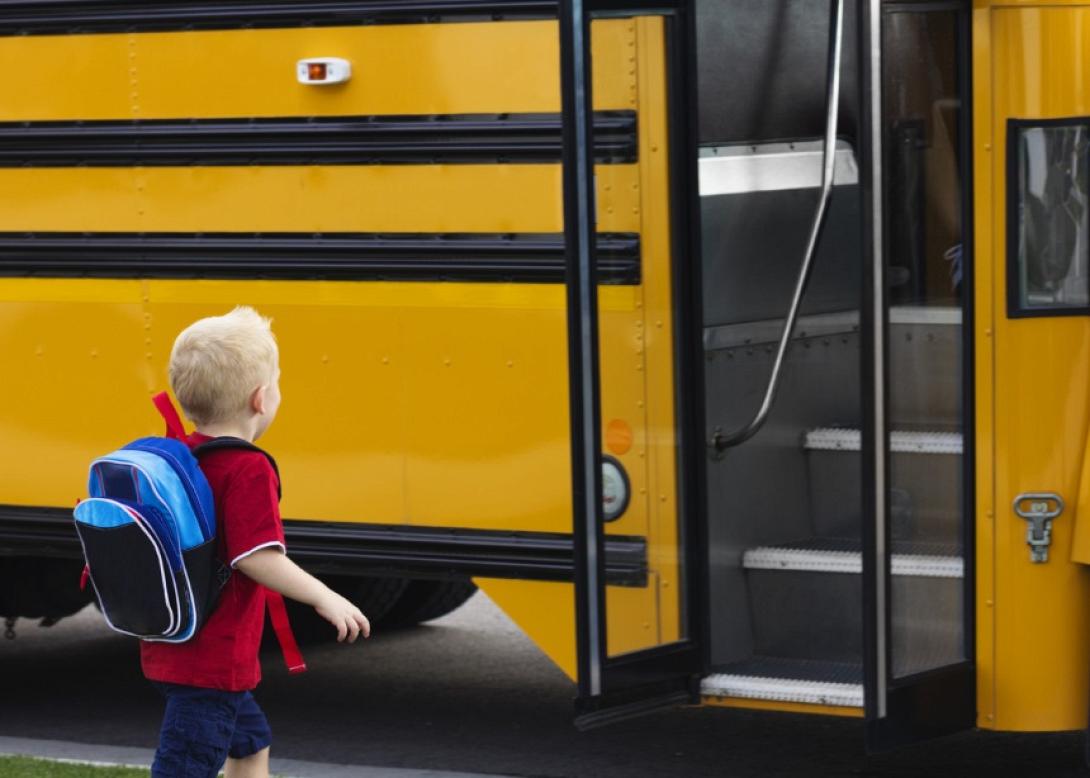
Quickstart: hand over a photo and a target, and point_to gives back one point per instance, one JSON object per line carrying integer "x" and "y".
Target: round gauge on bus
{"x": 615, "y": 489}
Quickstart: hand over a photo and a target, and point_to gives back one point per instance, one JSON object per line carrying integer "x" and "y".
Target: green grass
{"x": 24, "y": 767}
{"x": 27, "y": 767}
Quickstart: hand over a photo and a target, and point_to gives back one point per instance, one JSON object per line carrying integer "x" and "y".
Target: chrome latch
{"x": 1039, "y": 509}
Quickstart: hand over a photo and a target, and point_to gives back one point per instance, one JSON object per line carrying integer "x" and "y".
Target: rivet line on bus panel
{"x": 134, "y": 80}
{"x": 632, "y": 86}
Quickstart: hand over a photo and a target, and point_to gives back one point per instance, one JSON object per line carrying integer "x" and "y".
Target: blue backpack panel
{"x": 149, "y": 538}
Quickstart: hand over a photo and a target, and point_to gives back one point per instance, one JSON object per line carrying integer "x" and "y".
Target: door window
{"x": 1049, "y": 218}
{"x": 926, "y": 276}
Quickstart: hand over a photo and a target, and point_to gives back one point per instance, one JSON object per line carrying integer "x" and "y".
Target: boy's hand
{"x": 346, "y": 617}
{"x": 271, "y": 568}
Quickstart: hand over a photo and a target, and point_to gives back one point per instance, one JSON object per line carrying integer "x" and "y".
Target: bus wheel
{"x": 426, "y": 600}
{"x": 374, "y": 596}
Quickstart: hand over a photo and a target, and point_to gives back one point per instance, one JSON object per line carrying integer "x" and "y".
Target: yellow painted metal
{"x": 1080, "y": 541}
{"x": 544, "y": 610}
{"x": 1040, "y": 673}
{"x": 984, "y": 281}
{"x": 401, "y": 392}
{"x": 371, "y": 198}
{"x": 74, "y": 381}
{"x": 783, "y": 707}
{"x": 493, "y": 67}
{"x": 664, "y": 548}
{"x": 437, "y": 404}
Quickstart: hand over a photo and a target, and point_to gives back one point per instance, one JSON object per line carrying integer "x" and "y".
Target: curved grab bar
{"x": 722, "y": 441}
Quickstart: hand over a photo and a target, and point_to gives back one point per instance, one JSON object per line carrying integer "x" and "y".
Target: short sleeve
{"x": 251, "y": 511}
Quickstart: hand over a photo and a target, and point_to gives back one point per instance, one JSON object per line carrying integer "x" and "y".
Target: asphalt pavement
{"x": 466, "y": 694}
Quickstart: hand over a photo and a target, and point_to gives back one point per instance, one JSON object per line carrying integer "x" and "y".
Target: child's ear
{"x": 257, "y": 400}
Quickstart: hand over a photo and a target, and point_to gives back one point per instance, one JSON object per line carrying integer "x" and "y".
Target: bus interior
{"x": 785, "y": 508}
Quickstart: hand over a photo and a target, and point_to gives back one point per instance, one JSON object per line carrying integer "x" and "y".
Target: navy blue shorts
{"x": 202, "y": 727}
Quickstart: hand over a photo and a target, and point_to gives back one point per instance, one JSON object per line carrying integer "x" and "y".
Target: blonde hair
{"x": 218, "y": 362}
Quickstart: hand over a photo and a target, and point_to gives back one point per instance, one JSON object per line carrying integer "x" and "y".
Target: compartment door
{"x": 917, "y": 438}
{"x": 630, "y": 660}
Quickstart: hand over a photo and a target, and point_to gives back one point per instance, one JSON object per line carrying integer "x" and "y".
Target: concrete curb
{"x": 123, "y": 756}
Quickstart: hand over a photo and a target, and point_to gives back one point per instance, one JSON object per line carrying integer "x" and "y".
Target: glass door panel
{"x": 921, "y": 119}
{"x": 918, "y": 567}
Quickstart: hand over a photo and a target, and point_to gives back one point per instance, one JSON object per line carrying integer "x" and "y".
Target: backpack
{"x": 148, "y": 532}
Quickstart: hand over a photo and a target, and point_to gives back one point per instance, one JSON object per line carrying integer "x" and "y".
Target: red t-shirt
{"x": 223, "y": 653}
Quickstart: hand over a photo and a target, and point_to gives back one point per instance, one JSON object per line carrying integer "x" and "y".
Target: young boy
{"x": 225, "y": 372}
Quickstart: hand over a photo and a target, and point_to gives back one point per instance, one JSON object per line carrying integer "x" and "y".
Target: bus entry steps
{"x": 925, "y": 496}
{"x": 777, "y": 679}
{"x": 805, "y": 596}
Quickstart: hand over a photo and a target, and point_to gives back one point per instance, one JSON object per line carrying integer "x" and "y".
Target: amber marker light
{"x": 618, "y": 437}
{"x": 323, "y": 71}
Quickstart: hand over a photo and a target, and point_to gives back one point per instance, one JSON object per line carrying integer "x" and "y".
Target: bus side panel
{"x": 428, "y": 403}
{"x": 1042, "y": 623}
{"x": 397, "y": 69}
{"x": 76, "y": 380}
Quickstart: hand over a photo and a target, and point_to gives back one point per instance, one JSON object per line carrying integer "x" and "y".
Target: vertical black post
{"x": 582, "y": 299}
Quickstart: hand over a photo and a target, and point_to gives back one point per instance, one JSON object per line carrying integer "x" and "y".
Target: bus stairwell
{"x": 787, "y": 507}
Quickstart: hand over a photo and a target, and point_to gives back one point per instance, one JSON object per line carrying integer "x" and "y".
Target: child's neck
{"x": 228, "y": 429}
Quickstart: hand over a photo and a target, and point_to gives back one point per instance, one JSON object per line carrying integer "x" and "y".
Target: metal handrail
{"x": 721, "y": 441}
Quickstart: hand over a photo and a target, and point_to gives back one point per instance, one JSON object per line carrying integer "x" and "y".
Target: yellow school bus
{"x": 814, "y": 441}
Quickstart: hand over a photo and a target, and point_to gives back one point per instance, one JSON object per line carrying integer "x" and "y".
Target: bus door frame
{"x": 942, "y": 701}
{"x": 615, "y": 688}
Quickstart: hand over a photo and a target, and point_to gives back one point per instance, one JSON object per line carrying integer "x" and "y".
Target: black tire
{"x": 374, "y": 596}
{"x": 426, "y": 600}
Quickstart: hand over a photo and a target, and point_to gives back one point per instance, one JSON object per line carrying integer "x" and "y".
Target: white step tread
{"x": 848, "y": 695}
{"x": 900, "y": 441}
{"x": 850, "y": 561}
{"x": 925, "y": 314}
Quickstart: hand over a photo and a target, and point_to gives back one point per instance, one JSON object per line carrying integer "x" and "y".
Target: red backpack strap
{"x": 175, "y": 428}
{"x": 278, "y": 614}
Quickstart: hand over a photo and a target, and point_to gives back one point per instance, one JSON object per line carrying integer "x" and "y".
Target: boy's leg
{"x": 252, "y": 766}
{"x": 196, "y": 732}
{"x": 248, "y": 756}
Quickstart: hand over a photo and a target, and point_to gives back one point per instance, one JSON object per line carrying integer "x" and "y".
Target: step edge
{"x": 753, "y": 687}
{"x": 900, "y": 441}
{"x": 850, "y": 562}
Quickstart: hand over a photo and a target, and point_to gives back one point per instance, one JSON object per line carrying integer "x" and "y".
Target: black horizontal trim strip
{"x": 375, "y": 548}
{"x": 43, "y": 17}
{"x": 542, "y": 556}
{"x": 339, "y": 140}
{"x": 523, "y": 257}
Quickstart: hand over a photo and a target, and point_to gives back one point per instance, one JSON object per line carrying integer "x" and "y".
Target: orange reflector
{"x": 316, "y": 71}
{"x": 618, "y": 437}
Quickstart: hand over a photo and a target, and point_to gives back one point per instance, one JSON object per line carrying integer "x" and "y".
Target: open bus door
{"x": 917, "y": 565}
{"x": 618, "y": 684}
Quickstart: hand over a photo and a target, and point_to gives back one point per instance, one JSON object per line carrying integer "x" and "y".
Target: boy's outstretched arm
{"x": 272, "y": 568}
